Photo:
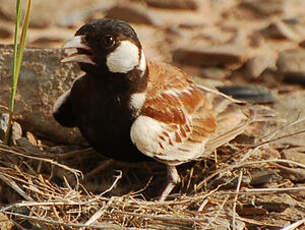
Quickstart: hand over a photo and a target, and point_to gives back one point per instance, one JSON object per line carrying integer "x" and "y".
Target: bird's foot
{"x": 172, "y": 181}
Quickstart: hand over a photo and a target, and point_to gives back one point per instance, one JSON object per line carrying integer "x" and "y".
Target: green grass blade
{"x": 18, "y": 54}
{"x": 11, "y": 103}
{"x": 17, "y": 24}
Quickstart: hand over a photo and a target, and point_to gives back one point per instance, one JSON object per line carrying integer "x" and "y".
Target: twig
{"x": 296, "y": 171}
{"x": 267, "y": 190}
{"x": 218, "y": 212}
{"x": 203, "y": 204}
{"x": 235, "y": 199}
{"x": 256, "y": 222}
{"x": 37, "y": 204}
{"x": 239, "y": 165}
{"x": 294, "y": 225}
{"x": 18, "y": 225}
{"x": 207, "y": 195}
{"x": 248, "y": 154}
{"x": 66, "y": 202}
{"x": 165, "y": 217}
{"x": 60, "y": 223}
{"x": 277, "y": 138}
{"x": 15, "y": 187}
{"x": 99, "y": 213}
{"x": 117, "y": 178}
{"x": 76, "y": 172}
{"x": 4, "y": 108}
{"x": 102, "y": 210}
{"x": 287, "y": 125}
{"x": 144, "y": 188}
{"x": 218, "y": 171}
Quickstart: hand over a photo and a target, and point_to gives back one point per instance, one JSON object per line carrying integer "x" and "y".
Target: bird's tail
{"x": 263, "y": 113}
{"x": 234, "y": 117}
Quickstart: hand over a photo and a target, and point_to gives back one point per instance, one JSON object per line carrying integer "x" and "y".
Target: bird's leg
{"x": 173, "y": 179}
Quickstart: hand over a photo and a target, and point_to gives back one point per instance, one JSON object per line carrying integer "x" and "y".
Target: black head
{"x": 107, "y": 45}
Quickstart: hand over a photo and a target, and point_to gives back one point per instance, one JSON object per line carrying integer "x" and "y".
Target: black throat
{"x": 121, "y": 84}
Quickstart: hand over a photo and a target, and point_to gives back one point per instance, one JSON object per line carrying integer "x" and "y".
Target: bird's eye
{"x": 109, "y": 41}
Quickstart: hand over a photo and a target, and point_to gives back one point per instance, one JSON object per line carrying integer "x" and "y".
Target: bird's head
{"x": 107, "y": 45}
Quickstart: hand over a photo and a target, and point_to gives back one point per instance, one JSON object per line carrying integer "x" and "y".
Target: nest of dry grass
{"x": 240, "y": 187}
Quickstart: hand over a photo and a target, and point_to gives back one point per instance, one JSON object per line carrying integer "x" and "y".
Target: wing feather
{"x": 176, "y": 119}
{"x": 181, "y": 121}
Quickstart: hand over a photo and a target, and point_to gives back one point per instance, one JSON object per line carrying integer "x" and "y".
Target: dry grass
{"x": 242, "y": 188}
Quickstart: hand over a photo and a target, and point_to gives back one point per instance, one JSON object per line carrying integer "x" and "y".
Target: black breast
{"x": 103, "y": 117}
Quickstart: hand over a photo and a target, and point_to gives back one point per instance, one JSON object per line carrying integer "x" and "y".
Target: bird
{"x": 132, "y": 109}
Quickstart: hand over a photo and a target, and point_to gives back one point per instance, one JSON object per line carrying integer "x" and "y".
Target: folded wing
{"x": 176, "y": 119}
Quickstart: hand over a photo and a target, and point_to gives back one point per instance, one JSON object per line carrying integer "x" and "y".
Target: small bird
{"x": 131, "y": 109}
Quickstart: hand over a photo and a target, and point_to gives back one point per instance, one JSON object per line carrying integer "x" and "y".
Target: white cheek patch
{"x": 124, "y": 58}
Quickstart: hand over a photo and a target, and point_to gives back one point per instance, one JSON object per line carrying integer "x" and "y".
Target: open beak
{"x": 83, "y": 52}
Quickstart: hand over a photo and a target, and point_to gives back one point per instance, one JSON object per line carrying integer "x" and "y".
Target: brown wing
{"x": 176, "y": 119}
{"x": 232, "y": 117}
{"x": 181, "y": 121}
